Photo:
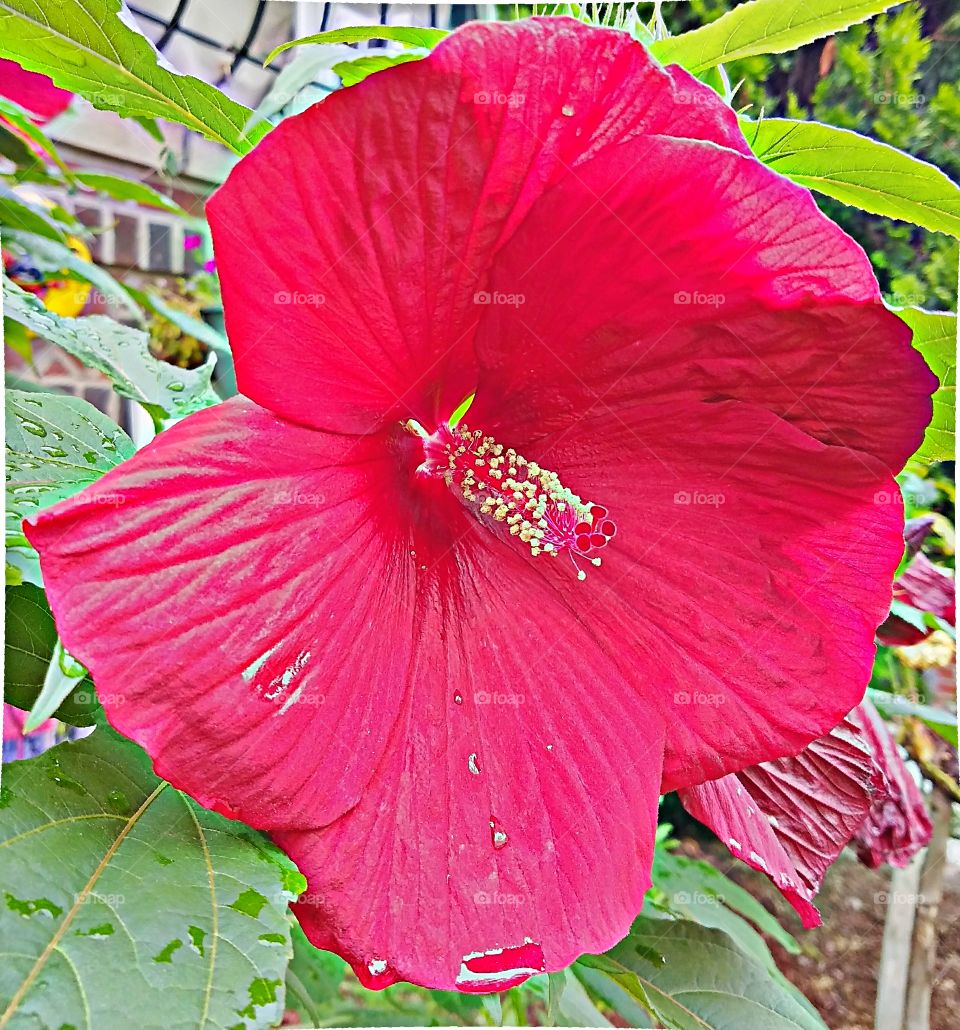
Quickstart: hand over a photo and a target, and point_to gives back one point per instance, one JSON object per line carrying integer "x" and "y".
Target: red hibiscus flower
{"x": 451, "y": 670}
{"x": 791, "y": 818}
{"x": 32, "y": 91}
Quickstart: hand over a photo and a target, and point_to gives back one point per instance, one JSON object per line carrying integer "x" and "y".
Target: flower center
{"x": 507, "y": 492}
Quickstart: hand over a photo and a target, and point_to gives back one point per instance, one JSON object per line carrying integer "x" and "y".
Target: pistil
{"x": 503, "y": 488}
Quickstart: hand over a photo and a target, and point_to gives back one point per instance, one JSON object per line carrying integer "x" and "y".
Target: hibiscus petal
{"x": 357, "y": 276}
{"x": 791, "y": 818}
{"x": 32, "y": 90}
{"x": 928, "y": 588}
{"x": 216, "y": 585}
{"x": 673, "y": 269}
{"x": 749, "y": 571}
{"x": 898, "y": 825}
{"x": 303, "y": 639}
{"x": 510, "y": 825}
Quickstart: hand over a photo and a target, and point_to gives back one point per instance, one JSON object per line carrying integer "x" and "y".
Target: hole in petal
{"x": 500, "y": 968}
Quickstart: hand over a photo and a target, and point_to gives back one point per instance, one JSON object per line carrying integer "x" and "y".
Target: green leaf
{"x": 941, "y": 722}
{"x": 313, "y": 980}
{"x": 18, "y": 215}
{"x": 30, "y": 638}
{"x": 695, "y": 977}
{"x": 56, "y": 446}
{"x": 405, "y": 35}
{"x": 857, "y": 170}
{"x": 55, "y": 257}
{"x": 935, "y": 336}
{"x": 108, "y": 868}
{"x": 126, "y": 189}
{"x": 191, "y": 326}
{"x": 763, "y": 27}
{"x": 623, "y": 999}
{"x": 697, "y": 891}
{"x": 62, "y": 678}
{"x": 95, "y": 48}
{"x": 21, "y": 120}
{"x": 352, "y": 72}
{"x": 121, "y": 353}
{"x": 296, "y": 75}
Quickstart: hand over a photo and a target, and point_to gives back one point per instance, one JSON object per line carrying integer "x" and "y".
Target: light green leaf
{"x": 96, "y": 49}
{"x": 56, "y": 445}
{"x": 935, "y": 336}
{"x": 54, "y": 257}
{"x": 352, "y": 72}
{"x": 695, "y": 890}
{"x": 127, "y": 189}
{"x": 299, "y": 73}
{"x": 405, "y": 35}
{"x": 63, "y": 676}
{"x": 940, "y": 721}
{"x": 21, "y": 120}
{"x": 108, "y": 869}
{"x": 857, "y": 170}
{"x": 313, "y": 980}
{"x": 763, "y": 27}
{"x": 694, "y": 977}
{"x": 18, "y": 215}
{"x": 123, "y": 355}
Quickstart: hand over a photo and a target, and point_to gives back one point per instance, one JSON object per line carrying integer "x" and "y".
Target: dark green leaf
{"x": 30, "y": 637}
{"x": 857, "y": 170}
{"x": 95, "y": 48}
{"x": 109, "y": 869}
{"x": 763, "y": 27}
{"x": 406, "y": 35}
